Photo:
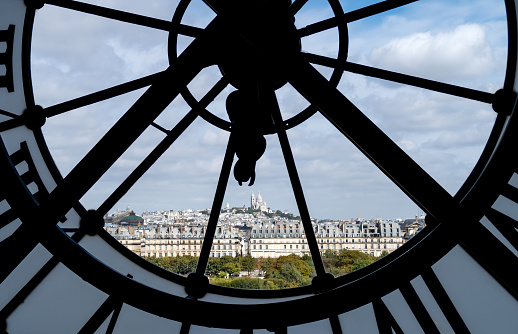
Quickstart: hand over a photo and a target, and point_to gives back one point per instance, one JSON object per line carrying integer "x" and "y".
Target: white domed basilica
{"x": 258, "y": 204}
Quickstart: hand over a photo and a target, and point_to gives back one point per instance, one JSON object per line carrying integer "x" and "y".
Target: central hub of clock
{"x": 257, "y": 41}
{"x": 254, "y": 44}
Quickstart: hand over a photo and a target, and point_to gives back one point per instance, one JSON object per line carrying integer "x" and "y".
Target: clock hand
{"x": 247, "y": 123}
{"x": 268, "y": 101}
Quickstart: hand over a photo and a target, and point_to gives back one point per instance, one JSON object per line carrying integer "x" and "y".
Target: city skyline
{"x": 257, "y": 208}
{"x": 465, "y": 46}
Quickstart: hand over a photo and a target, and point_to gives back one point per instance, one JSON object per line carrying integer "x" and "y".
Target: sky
{"x": 457, "y": 42}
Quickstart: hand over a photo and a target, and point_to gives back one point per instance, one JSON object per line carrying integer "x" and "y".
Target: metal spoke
{"x": 160, "y": 128}
{"x": 161, "y": 148}
{"x": 354, "y": 15}
{"x": 8, "y": 114}
{"x": 102, "y": 95}
{"x": 85, "y": 100}
{"x": 410, "y": 80}
{"x": 144, "y": 166}
{"x": 376, "y": 146}
{"x": 11, "y": 124}
{"x": 268, "y": 101}
{"x": 114, "y": 143}
{"x": 188, "y": 30}
{"x": 122, "y": 16}
{"x": 216, "y": 207}
{"x": 117, "y": 140}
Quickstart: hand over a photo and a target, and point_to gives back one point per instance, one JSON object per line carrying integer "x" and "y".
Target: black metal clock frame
{"x": 451, "y": 220}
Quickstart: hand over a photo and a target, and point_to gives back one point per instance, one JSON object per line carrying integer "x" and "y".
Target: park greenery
{"x": 275, "y": 273}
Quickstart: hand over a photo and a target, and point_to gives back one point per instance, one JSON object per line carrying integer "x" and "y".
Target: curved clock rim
{"x": 482, "y": 186}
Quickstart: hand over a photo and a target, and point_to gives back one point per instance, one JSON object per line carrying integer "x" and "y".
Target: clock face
{"x": 66, "y": 274}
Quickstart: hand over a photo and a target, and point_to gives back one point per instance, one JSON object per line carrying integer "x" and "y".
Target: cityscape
{"x": 255, "y": 231}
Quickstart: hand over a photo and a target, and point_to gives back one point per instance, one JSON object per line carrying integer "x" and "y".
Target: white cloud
{"x": 461, "y": 52}
{"x": 212, "y": 138}
{"x": 459, "y": 139}
{"x": 140, "y": 61}
{"x": 408, "y": 145}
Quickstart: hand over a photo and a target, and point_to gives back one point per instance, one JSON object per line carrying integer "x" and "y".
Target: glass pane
{"x": 358, "y": 214}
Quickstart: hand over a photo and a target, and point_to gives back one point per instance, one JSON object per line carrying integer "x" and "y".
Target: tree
{"x": 232, "y": 267}
{"x": 336, "y": 271}
{"x": 186, "y": 264}
{"x": 291, "y": 268}
{"x": 248, "y": 263}
{"x": 265, "y": 263}
{"x": 346, "y": 260}
{"x": 309, "y": 260}
{"x": 330, "y": 254}
{"x": 241, "y": 283}
{"x": 383, "y": 254}
{"x": 289, "y": 273}
{"x": 275, "y": 283}
{"x": 360, "y": 263}
{"x": 182, "y": 265}
{"x": 329, "y": 263}
{"x": 230, "y": 264}
{"x": 213, "y": 265}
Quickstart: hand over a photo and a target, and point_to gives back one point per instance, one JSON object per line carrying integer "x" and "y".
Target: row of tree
{"x": 279, "y": 273}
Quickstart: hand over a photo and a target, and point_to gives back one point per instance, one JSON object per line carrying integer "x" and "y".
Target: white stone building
{"x": 274, "y": 239}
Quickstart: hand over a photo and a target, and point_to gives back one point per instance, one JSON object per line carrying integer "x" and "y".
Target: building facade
{"x": 258, "y": 203}
{"x": 177, "y": 240}
{"x": 274, "y": 239}
{"x": 269, "y": 238}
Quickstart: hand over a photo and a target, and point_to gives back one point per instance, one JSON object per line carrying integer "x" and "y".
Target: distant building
{"x": 274, "y": 239}
{"x": 239, "y": 233}
{"x": 259, "y": 203}
{"x": 132, "y": 220}
{"x": 178, "y": 240}
{"x": 116, "y": 217}
{"x": 284, "y": 238}
{"x": 412, "y": 226}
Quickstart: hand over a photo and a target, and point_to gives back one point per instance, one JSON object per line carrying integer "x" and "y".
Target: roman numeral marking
{"x": 31, "y": 175}
{"x": 417, "y": 307}
{"x": 111, "y": 305}
{"x": 386, "y": 322}
{"x": 18, "y": 201}
{"x": 444, "y": 302}
{"x": 33, "y": 283}
{"x": 6, "y": 58}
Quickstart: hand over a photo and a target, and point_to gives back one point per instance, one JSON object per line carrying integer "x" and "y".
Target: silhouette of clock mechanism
{"x": 62, "y": 273}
